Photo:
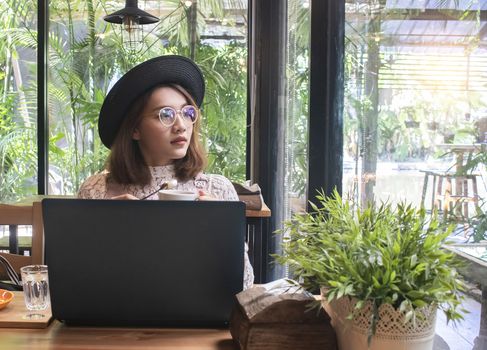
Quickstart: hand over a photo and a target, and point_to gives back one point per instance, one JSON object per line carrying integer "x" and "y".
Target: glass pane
{"x": 415, "y": 81}
{"x": 18, "y": 99}
{"x": 88, "y": 55}
{"x": 416, "y": 115}
{"x": 296, "y": 143}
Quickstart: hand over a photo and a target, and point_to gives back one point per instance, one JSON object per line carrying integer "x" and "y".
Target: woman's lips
{"x": 180, "y": 141}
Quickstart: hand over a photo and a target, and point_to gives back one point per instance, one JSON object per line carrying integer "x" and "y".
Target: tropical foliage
{"x": 86, "y": 56}
{"x": 298, "y": 97}
{"x": 397, "y": 103}
{"x": 18, "y": 157}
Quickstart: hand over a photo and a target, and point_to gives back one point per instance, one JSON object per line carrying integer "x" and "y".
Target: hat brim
{"x": 171, "y": 69}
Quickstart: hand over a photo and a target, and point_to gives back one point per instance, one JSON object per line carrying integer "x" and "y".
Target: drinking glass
{"x": 35, "y": 283}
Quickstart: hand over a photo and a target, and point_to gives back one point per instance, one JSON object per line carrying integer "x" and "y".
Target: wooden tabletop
{"x": 14, "y": 315}
{"x": 460, "y": 148}
{"x": 265, "y": 212}
{"x": 58, "y": 336}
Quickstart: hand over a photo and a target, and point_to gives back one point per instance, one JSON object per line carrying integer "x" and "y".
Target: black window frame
{"x": 265, "y": 134}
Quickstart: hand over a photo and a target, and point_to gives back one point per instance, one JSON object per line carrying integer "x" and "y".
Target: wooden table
{"x": 60, "y": 337}
{"x": 57, "y": 336}
{"x": 257, "y": 236}
{"x": 475, "y": 257}
{"x": 459, "y": 151}
{"x": 459, "y": 174}
{"x": 265, "y": 212}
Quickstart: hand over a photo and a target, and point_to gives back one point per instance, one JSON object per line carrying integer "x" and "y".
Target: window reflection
{"x": 415, "y": 78}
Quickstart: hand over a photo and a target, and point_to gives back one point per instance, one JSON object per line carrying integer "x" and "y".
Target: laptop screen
{"x": 144, "y": 262}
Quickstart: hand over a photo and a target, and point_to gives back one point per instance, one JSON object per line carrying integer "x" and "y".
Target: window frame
{"x": 265, "y": 105}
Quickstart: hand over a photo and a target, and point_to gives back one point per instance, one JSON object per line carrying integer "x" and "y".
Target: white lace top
{"x": 217, "y": 186}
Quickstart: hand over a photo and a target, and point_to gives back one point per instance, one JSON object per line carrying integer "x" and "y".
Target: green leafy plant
{"x": 476, "y": 161}
{"x": 379, "y": 254}
{"x": 479, "y": 223}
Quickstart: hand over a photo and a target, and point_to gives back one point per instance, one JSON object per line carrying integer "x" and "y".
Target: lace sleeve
{"x": 94, "y": 187}
{"x": 221, "y": 188}
{"x": 248, "y": 270}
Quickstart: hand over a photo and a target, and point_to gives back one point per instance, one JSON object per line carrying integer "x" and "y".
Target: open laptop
{"x": 144, "y": 263}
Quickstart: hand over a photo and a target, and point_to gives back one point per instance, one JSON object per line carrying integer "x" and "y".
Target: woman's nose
{"x": 179, "y": 124}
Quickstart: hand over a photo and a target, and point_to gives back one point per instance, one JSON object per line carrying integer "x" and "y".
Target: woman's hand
{"x": 125, "y": 196}
{"x": 203, "y": 196}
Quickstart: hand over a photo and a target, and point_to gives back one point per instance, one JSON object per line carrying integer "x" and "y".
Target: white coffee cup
{"x": 176, "y": 195}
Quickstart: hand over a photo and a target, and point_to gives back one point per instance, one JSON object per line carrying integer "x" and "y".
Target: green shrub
{"x": 382, "y": 254}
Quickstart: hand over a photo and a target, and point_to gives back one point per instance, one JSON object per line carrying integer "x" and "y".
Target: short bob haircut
{"x": 126, "y": 163}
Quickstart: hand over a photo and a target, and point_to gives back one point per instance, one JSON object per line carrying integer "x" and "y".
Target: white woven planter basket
{"x": 391, "y": 332}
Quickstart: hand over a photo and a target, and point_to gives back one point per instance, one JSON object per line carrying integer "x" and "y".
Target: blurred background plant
{"x": 86, "y": 57}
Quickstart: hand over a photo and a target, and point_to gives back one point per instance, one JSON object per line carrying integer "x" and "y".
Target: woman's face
{"x": 160, "y": 144}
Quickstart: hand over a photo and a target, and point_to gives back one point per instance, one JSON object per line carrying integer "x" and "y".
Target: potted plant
{"x": 411, "y": 124}
{"x": 433, "y": 126}
{"x": 382, "y": 271}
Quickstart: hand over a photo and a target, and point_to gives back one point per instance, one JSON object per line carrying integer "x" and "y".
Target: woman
{"x": 150, "y": 120}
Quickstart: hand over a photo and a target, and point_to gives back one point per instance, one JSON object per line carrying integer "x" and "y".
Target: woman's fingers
{"x": 203, "y": 196}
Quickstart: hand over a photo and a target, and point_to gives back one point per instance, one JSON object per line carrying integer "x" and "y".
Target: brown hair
{"x": 126, "y": 163}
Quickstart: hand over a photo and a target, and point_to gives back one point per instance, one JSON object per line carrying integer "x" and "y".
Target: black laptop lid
{"x": 144, "y": 262}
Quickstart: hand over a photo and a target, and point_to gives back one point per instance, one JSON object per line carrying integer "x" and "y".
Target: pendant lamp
{"x": 131, "y": 18}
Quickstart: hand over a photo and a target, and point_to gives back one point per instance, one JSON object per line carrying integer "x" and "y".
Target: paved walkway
{"x": 462, "y": 335}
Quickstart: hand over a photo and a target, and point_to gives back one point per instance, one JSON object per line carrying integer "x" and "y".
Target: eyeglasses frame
{"x": 180, "y": 114}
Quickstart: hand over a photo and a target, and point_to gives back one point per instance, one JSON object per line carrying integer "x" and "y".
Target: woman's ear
{"x": 136, "y": 134}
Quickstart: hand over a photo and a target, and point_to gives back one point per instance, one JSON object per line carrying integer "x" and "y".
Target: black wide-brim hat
{"x": 171, "y": 69}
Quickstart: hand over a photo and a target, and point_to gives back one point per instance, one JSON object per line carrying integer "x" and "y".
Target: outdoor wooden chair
{"x": 25, "y": 215}
{"x": 451, "y": 193}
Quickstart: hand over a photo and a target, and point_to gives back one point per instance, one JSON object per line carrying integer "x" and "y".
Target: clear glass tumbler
{"x": 35, "y": 283}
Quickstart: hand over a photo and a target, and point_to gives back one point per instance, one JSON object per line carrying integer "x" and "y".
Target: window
{"x": 18, "y": 99}
{"x": 415, "y": 88}
{"x": 87, "y": 56}
{"x": 296, "y": 142}
{"x": 415, "y": 79}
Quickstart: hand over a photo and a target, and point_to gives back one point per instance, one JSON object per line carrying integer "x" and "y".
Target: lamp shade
{"x": 131, "y": 10}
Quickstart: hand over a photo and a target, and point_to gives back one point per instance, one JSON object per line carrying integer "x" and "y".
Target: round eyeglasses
{"x": 168, "y": 115}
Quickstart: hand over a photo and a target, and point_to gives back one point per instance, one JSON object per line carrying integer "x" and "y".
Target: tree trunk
{"x": 192, "y": 28}
{"x": 73, "y": 96}
{"x": 91, "y": 68}
{"x": 371, "y": 114}
{"x": 24, "y": 112}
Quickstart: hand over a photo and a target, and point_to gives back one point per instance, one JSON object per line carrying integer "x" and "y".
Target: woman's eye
{"x": 189, "y": 113}
{"x": 166, "y": 113}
